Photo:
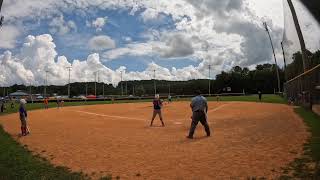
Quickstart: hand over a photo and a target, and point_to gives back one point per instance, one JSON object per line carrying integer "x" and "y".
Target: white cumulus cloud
{"x": 102, "y": 42}
{"x": 38, "y": 57}
{"x": 8, "y": 36}
{"x": 60, "y": 26}
{"x": 99, "y": 23}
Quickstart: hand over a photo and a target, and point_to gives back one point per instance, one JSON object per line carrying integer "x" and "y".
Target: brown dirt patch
{"x": 249, "y": 139}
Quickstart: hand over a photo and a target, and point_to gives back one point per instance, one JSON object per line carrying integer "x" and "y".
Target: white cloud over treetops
{"x": 38, "y": 55}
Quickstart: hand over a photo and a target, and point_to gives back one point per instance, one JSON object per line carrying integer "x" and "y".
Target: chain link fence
{"x": 304, "y": 89}
{"x": 302, "y": 68}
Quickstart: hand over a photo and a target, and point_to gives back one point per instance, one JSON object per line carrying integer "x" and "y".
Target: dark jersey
{"x": 23, "y": 111}
{"x": 157, "y": 104}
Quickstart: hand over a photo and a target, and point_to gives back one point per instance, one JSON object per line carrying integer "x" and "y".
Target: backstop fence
{"x": 303, "y": 69}
{"x": 305, "y": 89}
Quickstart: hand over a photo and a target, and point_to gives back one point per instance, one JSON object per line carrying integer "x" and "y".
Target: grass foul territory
{"x": 308, "y": 165}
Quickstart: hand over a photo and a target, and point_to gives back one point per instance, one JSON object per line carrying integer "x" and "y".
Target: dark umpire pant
{"x": 196, "y": 117}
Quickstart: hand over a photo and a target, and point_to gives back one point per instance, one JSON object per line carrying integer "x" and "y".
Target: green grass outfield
{"x": 253, "y": 98}
{"x": 17, "y": 163}
{"x": 267, "y": 98}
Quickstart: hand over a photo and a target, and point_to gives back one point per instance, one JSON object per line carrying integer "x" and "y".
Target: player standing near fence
{"x": 157, "y": 105}
{"x": 199, "y": 107}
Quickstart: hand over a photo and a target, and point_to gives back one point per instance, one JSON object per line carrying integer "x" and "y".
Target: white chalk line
{"x": 178, "y": 122}
{"x": 217, "y": 108}
{"x": 104, "y": 115}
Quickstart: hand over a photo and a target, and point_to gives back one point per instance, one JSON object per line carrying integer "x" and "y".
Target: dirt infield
{"x": 249, "y": 140}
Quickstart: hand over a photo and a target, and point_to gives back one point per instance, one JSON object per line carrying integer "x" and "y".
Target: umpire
{"x": 199, "y": 108}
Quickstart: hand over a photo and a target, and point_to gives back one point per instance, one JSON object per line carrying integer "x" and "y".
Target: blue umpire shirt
{"x": 199, "y": 103}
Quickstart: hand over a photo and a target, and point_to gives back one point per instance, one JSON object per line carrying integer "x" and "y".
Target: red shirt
{"x": 157, "y": 103}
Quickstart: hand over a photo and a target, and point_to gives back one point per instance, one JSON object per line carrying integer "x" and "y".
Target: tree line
{"x": 296, "y": 67}
{"x": 238, "y": 79}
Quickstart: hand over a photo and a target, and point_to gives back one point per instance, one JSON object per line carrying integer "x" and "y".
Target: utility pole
{"x": 169, "y": 89}
{"x": 126, "y": 88}
{"x": 133, "y": 90}
{"x": 209, "y": 80}
{"x": 121, "y": 84}
{"x": 95, "y": 82}
{"x": 103, "y": 89}
{"x": 154, "y": 81}
{"x": 86, "y": 89}
{"x": 98, "y": 78}
{"x": 284, "y": 56}
{"x": 284, "y": 61}
{"x": 274, "y": 55}
{"x": 300, "y": 36}
{"x": 46, "y": 84}
{"x": 85, "y": 74}
{"x": 69, "y": 69}
{"x": 30, "y": 92}
{"x": 1, "y": 17}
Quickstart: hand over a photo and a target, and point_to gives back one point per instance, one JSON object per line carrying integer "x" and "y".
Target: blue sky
{"x": 119, "y": 25}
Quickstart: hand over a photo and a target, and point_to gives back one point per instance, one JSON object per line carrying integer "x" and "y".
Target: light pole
{"x": 300, "y": 35}
{"x": 30, "y": 92}
{"x": 209, "y": 80}
{"x": 121, "y": 84}
{"x": 154, "y": 81}
{"x": 85, "y": 74}
{"x": 169, "y": 89}
{"x": 69, "y": 69}
{"x": 1, "y": 17}
{"x": 103, "y": 89}
{"x": 284, "y": 56}
{"x": 274, "y": 55}
{"x": 284, "y": 60}
{"x": 46, "y": 84}
{"x": 126, "y": 88}
{"x": 95, "y": 82}
{"x": 86, "y": 89}
{"x": 133, "y": 90}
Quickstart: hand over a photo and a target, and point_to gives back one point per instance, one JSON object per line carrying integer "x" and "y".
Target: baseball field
{"x": 250, "y": 139}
